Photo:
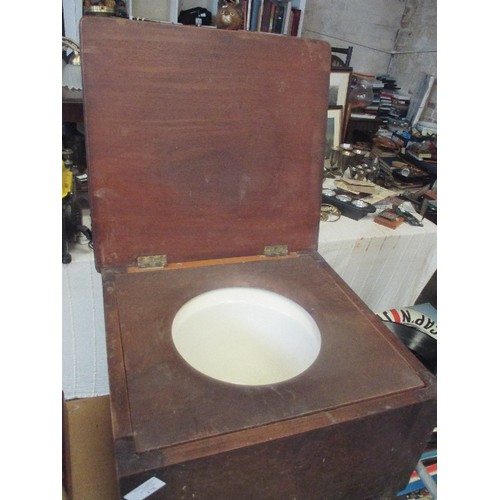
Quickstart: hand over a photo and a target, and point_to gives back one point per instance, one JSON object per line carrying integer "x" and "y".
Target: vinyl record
{"x": 420, "y": 344}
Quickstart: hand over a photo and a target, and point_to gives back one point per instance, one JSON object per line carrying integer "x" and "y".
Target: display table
{"x": 386, "y": 268}
{"x": 84, "y": 360}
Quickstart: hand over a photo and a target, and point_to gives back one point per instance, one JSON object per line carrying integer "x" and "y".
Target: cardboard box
{"x": 88, "y": 443}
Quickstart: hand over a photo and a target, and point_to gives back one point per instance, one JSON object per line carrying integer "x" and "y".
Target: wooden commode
{"x": 205, "y": 151}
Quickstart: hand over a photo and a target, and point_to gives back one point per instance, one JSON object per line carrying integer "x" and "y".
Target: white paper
{"x": 145, "y": 489}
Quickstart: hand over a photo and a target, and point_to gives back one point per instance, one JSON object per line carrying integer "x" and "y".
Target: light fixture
{"x": 72, "y": 70}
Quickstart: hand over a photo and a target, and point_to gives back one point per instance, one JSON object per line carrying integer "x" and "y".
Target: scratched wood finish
{"x": 355, "y": 362}
{"x": 366, "y": 403}
{"x": 370, "y": 458}
{"x": 206, "y": 143}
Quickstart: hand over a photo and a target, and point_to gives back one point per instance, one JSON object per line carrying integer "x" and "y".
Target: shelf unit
{"x": 168, "y": 10}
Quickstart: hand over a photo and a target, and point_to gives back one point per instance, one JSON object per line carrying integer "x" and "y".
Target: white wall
{"x": 398, "y": 37}
{"x": 370, "y": 27}
{"x": 415, "y": 51}
{"x": 72, "y": 10}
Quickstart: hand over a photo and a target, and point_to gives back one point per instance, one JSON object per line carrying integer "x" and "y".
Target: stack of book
{"x": 400, "y": 104}
{"x": 385, "y": 101}
{"x": 391, "y": 104}
{"x": 271, "y": 16}
{"x": 388, "y": 81}
{"x": 374, "y": 107}
{"x": 388, "y": 86}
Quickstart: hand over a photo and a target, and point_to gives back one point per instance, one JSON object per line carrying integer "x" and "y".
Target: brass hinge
{"x": 275, "y": 250}
{"x": 149, "y": 261}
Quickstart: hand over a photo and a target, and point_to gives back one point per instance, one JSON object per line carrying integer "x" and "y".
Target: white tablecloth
{"x": 386, "y": 268}
{"x": 84, "y": 361}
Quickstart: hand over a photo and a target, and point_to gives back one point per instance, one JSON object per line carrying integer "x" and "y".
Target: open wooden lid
{"x": 201, "y": 143}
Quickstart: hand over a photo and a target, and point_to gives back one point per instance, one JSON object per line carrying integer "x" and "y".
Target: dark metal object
{"x": 275, "y": 250}
{"x": 150, "y": 261}
{"x": 355, "y": 209}
{"x": 407, "y": 216}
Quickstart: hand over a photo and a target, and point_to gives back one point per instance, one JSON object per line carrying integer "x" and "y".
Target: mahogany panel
{"x": 201, "y": 143}
{"x": 171, "y": 403}
{"x": 371, "y": 457}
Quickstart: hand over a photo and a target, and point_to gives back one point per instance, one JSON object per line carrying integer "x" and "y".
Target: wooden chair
{"x": 337, "y": 61}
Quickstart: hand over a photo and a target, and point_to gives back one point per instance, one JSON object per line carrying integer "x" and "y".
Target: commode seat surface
{"x": 246, "y": 336}
{"x": 172, "y": 403}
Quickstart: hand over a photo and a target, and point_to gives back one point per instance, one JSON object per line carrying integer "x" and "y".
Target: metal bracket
{"x": 275, "y": 250}
{"x": 149, "y": 261}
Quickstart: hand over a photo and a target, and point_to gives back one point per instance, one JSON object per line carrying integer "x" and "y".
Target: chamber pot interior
{"x": 246, "y": 336}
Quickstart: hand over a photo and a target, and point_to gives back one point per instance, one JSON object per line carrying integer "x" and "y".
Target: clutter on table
{"x": 399, "y": 164}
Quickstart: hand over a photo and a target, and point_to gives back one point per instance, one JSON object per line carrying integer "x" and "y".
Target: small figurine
{"x": 228, "y": 17}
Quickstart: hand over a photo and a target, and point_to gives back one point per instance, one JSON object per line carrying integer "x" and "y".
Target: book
{"x": 277, "y": 19}
{"x": 366, "y": 116}
{"x": 248, "y": 13}
{"x": 260, "y": 13}
{"x": 271, "y": 16}
{"x": 399, "y": 105}
{"x": 295, "y": 21}
{"x": 254, "y": 15}
{"x": 286, "y": 20}
{"x": 244, "y": 9}
{"x": 390, "y": 223}
{"x": 266, "y": 15}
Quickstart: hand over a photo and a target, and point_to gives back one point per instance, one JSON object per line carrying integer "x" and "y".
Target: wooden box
{"x": 205, "y": 151}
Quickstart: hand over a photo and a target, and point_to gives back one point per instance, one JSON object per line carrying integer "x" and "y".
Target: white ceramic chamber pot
{"x": 246, "y": 336}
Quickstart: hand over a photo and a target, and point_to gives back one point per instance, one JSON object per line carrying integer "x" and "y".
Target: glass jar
{"x": 361, "y": 95}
